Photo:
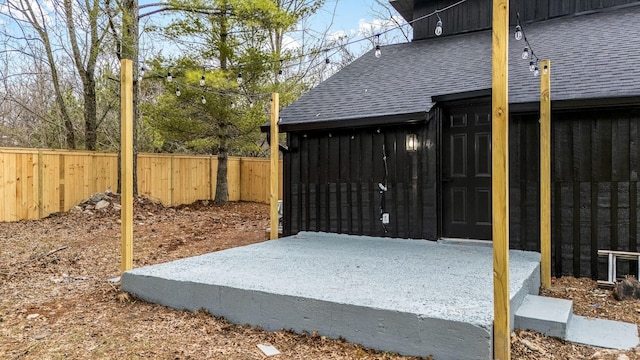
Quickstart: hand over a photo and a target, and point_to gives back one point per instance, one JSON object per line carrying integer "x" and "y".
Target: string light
{"x": 528, "y": 52}
{"x": 438, "y": 30}
{"x": 280, "y": 72}
{"x": 337, "y": 48}
{"x": 518, "y": 33}
{"x": 377, "y": 53}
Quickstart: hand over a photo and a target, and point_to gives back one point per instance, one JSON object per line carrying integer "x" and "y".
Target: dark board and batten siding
{"x": 457, "y": 20}
{"x": 595, "y": 188}
{"x": 333, "y": 182}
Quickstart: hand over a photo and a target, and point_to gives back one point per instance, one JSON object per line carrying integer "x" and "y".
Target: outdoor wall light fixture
{"x": 412, "y": 142}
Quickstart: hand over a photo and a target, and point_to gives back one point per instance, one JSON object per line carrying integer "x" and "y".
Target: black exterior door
{"x": 466, "y": 173}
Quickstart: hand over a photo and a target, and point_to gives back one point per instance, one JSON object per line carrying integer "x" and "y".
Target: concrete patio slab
{"x": 413, "y": 297}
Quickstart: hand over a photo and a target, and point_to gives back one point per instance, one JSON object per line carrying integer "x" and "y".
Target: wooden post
{"x": 40, "y": 185}
{"x": 500, "y": 179}
{"x": 126, "y": 156}
{"x": 545, "y": 174}
{"x": 275, "y": 115}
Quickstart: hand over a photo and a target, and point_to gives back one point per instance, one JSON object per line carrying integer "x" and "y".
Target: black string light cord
{"x": 330, "y": 51}
{"x": 527, "y": 52}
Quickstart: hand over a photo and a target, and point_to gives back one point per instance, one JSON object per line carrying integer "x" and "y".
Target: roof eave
{"x": 578, "y": 104}
{"x": 404, "y": 8}
{"x": 409, "y": 118}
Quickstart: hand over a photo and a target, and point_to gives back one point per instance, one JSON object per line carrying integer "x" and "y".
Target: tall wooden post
{"x": 275, "y": 164}
{"x": 500, "y": 179}
{"x": 126, "y": 156}
{"x": 545, "y": 174}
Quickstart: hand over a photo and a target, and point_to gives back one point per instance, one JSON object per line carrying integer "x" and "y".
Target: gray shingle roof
{"x": 593, "y": 55}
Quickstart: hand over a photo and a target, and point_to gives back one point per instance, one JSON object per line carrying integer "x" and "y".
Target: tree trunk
{"x": 222, "y": 186}
{"x": 90, "y": 114}
{"x": 130, "y": 51}
{"x": 86, "y": 71}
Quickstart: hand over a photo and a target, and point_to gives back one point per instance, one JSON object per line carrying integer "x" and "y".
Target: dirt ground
{"x": 56, "y": 301}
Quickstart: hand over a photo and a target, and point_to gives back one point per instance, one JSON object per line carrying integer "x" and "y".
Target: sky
{"x": 356, "y": 19}
{"x": 355, "y": 16}
{"x": 350, "y": 19}
{"x": 348, "y": 13}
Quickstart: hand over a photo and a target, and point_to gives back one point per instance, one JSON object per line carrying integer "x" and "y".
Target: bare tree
{"x": 85, "y": 57}
{"x": 62, "y": 35}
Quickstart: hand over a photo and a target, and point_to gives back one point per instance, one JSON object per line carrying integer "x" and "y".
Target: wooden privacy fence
{"x": 36, "y": 183}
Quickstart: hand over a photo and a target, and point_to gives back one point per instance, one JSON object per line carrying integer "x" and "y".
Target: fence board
{"x": 36, "y": 183}
{"x": 191, "y": 179}
{"x": 233, "y": 178}
{"x": 50, "y": 184}
{"x": 9, "y": 187}
{"x": 154, "y": 178}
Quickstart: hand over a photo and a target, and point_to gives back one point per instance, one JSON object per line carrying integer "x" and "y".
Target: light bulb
{"x": 438, "y": 30}
{"x": 178, "y": 92}
{"x": 327, "y": 61}
{"x": 536, "y": 72}
{"x": 545, "y": 69}
{"x": 378, "y": 52}
{"x": 518, "y": 33}
{"x": 169, "y": 77}
{"x": 239, "y": 79}
{"x": 141, "y": 72}
{"x": 525, "y": 53}
{"x": 532, "y": 66}
{"x": 280, "y": 72}
{"x": 251, "y": 104}
{"x": 204, "y": 101}
{"x": 202, "y": 81}
{"x": 233, "y": 105}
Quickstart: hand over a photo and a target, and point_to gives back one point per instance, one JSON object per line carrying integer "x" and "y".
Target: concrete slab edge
{"x": 404, "y": 333}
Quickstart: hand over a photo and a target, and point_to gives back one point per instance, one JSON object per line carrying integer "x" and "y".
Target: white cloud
{"x": 289, "y": 43}
{"x": 335, "y": 37}
{"x": 376, "y": 26}
{"x": 17, "y": 10}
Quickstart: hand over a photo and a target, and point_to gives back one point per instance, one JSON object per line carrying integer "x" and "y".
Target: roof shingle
{"x": 592, "y": 55}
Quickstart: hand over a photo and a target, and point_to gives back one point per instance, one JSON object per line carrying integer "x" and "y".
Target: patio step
{"x": 554, "y": 317}
{"x": 545, "y": 315}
